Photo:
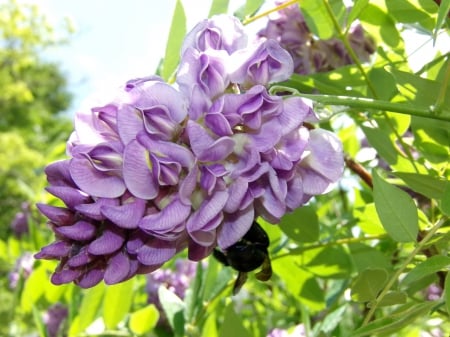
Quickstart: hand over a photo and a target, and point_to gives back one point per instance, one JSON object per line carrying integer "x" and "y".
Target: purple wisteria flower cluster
{"x": 311, "y": 55}
{"x": 190, "y": 165}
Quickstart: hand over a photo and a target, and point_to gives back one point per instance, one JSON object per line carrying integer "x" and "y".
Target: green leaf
{"x": 144, "y": 320}
{"x": 446, "y": 294}
{"x": 384, "y": 83}
{"x": 176, "y": 37}
{"x": 444, "y": 7}
{"x": 34, "y": 288}
{"x": 365, "y": 256}
{"x": 445, "y": 202}
{"x": 327, "y": 262}
{"x": 88, "y": 310}
{"x": 429, "y": 186}
{"x": 380, "y": 140}
{"x": 248, "y": 9}
{"x": 174, "y": 309}
{"x": 317, "y": 18}
{"x": 218, "y": 7}
{"x": 395, "y": 321}
{"x": 302, "y": 225}
{"x": 357, "y": 8}
{"x": 117, "y": 303}
{"x": 232, "y": 325}
{"x": 384, "y": 22}
{"x": 396, "y": 210}
{"x": 429, "y": 266}
{"x": 393, "y": 298}
{"x": 368, "y": 220}
{"x": 368, "y": 284}
{"x": 412, "y": 11}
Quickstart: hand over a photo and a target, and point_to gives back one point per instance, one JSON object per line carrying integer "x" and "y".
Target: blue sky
{"x": 113, "y": 42}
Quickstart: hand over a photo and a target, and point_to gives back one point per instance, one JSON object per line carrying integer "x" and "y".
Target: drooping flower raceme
{"x": 163, "y": 168}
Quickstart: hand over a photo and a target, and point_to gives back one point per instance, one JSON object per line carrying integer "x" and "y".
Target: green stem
{"x": 400, "y": 270}
{"x": 246, "y": 21}
{"x": 366, "y": 103}
{"x": 344, "y": 241}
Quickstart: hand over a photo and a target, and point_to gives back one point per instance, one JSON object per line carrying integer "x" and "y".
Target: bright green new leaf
{"x": 302, "y": 225}
{"x": 368, "y": 220}
{"x": 427, "y": 267}
{"x": 174, "y": 309}
{"x": 88, "y": 310}
{"x": 176, "y": 36}
{"x": 117, "y": 303}
{"x": 396, "y": 209}
{"x": 34, "y": 288}
{"x": 427, "y": 185}
{"x": 368, "y": 284}
{"x": 218, "y": 7}
{"x": 144, "y": 320}
{"x": 317, "y": 18}
{"x": 232, "y": 324}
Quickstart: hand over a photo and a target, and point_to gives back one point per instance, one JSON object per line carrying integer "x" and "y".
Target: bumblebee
{"x": 246, "y": 255}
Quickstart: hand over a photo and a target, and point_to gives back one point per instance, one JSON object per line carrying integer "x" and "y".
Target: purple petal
{"x": 136, "y": 172}
{"x": 93, "y": 210}
{"x": 204, "y": 238}
{"x": 55, "y": 250}
{"x": 236, "y": 192}
{"x": 58, "y": 215}
{"x": 90, "y": 279}
{"x": 64, "y": 276}
{"x": 117, "y": 269}
{"x": 198, "y": 252}
{"x": 69, "y": 195}
{"x": 235, "y": 226}
{"x": 129, "y": 122}
{"x": 126, "y": 215}
{"x": 58, "y": 173}
{"x": 110, "y": 241}
{"x": 156, "y": 251}
{"x": 94, "y": 182}
{"x": 188, "y": 185}
{"x": 80, "y": 231}
{"x": 81, "y": 259}
{"x": 167, "y": 219}
{"x": 207, "y": 212}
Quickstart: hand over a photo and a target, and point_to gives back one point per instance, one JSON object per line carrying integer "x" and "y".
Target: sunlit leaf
{"x": 356, "y": 9}
{"x": 431, "y": 265}
{"x": 218, "y": 7}
{"x": 368, "y": 284}
{"x": 332, "y": 262}
{"x": 302, "y": 225}
{"x": 317, "y": 18}
{"x": 88, "y": 310}
{"x": 368, "y": 219}
{"x": 384, "y": 83}
{"x": 384, "y": 22}
{"x": 176, "y": 36}
{"x": 396, "y": 210}
{"x": 117, "y": 303}
{"x": 413, "y": 11}
{"x": 445, "y": 202}
{"x": 144, "y": 319}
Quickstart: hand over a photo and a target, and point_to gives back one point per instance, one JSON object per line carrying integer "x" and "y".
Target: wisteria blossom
{"x": 190, "y": 165}
{"x": 310, "y": 54}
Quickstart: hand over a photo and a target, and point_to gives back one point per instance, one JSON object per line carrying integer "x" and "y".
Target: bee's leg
{"x": 266, "y": 270}
{"x": 242, "y": 277}
{"x": 221, "y": 257}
